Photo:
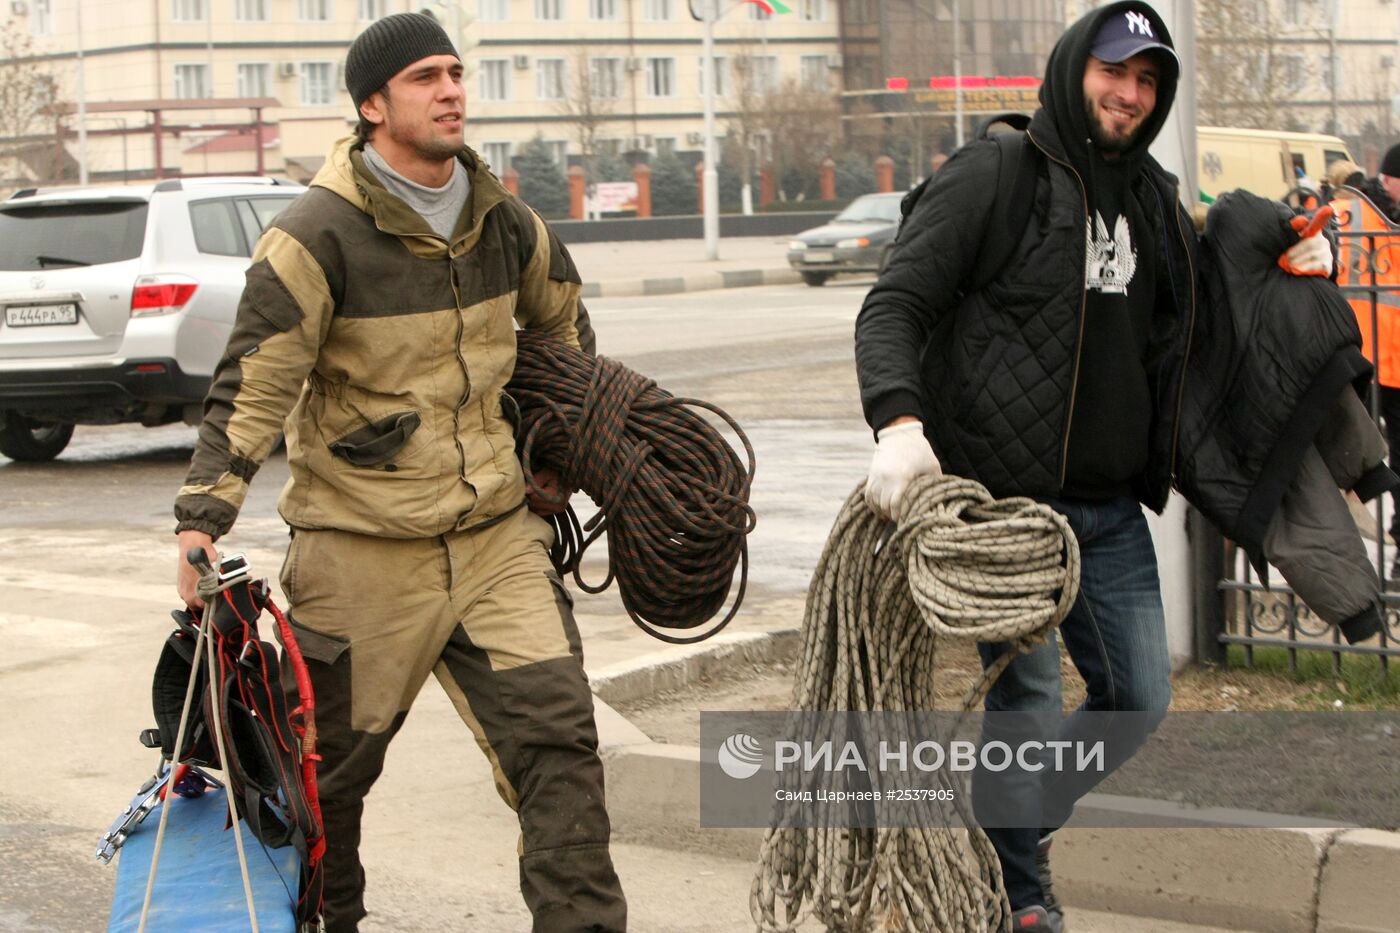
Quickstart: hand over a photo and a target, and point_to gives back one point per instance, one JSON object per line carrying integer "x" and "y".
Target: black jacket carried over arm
{"x": 1267, "y": 366}
{"x": 992, "y": 375}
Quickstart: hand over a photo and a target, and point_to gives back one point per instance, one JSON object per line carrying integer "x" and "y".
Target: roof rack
{"x": 179, "y": 184}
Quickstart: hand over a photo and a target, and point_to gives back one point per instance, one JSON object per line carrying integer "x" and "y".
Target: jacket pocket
{"x": 978, "y": 374}
{"x": 317, "y": 646}
{"x": 377, "y": 442}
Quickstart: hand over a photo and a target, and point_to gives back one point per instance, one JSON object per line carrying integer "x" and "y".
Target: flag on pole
{"x": 770, "y": 6}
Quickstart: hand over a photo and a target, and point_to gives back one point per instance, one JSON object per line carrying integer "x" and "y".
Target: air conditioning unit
{"x": 637, "y": 143}
{"x": 287, "y": 69}
{"x": 1387, "y": 61}
{"x": 634, "y": 64}
{"x": 19, "y": 7}
{"x": 695, "y": 139}
{"x": 522, "y": 62}
{"x": 833, "y": 61}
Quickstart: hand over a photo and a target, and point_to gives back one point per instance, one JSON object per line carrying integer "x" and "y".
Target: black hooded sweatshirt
{"x": 1112, "y": 414}
{"x": 1034, "y": 385}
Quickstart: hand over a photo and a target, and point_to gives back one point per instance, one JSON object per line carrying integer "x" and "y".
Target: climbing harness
{"x": 219, "y": 702}
{"x": 672, "y": 495}
{"x": 961, "y": 565}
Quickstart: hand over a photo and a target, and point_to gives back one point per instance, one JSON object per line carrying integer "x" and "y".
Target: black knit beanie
{"x": 389, "y": 46}
{"x": 1390, "y": 165}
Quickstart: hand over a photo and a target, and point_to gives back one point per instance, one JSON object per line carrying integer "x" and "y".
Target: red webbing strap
{"x": 308, "y": 717}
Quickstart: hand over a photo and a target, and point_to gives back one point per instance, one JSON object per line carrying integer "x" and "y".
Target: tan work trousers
{"x": 484, "y": 611}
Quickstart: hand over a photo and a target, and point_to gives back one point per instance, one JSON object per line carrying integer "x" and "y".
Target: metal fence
{"x": 1235, "y": 607}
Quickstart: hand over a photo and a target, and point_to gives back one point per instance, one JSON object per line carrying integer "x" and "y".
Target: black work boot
{"x": 1037, "y": 920}
{"x": 1047, "y": 884}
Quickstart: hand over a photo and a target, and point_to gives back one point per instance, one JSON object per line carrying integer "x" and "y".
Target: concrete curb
{"x": 1294, "y": 880}
{"x": 679, "y": 666}
{"x": 696, "y": 282}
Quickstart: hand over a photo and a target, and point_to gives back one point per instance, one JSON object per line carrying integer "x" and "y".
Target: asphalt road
{"x": 86, "y": 571}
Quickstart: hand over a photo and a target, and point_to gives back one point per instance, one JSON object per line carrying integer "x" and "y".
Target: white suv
{"x": 118, "y": 302}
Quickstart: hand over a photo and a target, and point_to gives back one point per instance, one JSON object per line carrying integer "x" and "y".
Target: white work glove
{"x": 1312, "y": 255}
{"x": 901, "y": 453}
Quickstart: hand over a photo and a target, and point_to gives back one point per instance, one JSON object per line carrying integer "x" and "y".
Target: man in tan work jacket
{"x": 378, "y": 325}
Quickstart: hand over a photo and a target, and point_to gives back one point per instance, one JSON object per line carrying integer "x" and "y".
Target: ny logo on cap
{"x": 1137, "y": 22}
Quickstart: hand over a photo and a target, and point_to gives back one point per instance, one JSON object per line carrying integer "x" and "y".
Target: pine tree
{"x": 673, "y": 188}
{"x": 542, "y": 185}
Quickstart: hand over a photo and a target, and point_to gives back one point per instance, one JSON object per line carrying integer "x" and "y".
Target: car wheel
{"x": 816, "y": 279}
{"x": 30, "y": 442}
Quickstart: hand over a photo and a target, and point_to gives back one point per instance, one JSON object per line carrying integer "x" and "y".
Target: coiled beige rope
{"x": 961, "y": 565}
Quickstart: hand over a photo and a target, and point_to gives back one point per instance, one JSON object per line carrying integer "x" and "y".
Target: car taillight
{"x": 161, "y": 294}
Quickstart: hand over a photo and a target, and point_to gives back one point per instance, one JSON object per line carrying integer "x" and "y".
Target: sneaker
{"x": 1037, "y": 920}
{"x": 1047, "y": 884}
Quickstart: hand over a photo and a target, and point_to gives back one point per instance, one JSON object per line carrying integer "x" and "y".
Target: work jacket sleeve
{"x": 935, "y": 252}
{"x": 550, "y": 287}
{"x": 282, "y": 321}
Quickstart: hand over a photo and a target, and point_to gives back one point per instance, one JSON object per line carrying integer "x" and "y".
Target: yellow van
{"x": 1266, "y": 162}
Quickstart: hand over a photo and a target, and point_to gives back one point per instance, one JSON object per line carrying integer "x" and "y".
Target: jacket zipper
{"x": 466, "y": 374}
{"x": 1083, "y": 303}
{"x": 1186, "y": 350}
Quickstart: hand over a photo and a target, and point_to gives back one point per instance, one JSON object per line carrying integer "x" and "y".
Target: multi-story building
{"x": 1328, "y": 66}
{"x": 894, "y": 49}
{"x": 627, "y": 69}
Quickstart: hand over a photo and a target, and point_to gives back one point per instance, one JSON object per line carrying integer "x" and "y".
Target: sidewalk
{"x": 664, "y": 267}
{"x": 82, "y": 635}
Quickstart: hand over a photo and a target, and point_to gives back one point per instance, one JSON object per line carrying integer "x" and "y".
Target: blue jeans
{"x": 1116, "y": 636}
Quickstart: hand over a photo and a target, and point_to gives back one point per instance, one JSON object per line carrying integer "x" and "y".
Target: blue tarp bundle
{"x": 198, "y": 883}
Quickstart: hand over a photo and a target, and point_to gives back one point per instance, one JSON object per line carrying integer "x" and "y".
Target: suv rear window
{"x": 51, "y": 237}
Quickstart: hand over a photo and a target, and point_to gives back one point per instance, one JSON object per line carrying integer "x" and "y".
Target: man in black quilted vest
{"x": 1058, "y": 380}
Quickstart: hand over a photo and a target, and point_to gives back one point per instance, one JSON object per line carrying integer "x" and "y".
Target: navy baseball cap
{"x": 1124, "y": 35}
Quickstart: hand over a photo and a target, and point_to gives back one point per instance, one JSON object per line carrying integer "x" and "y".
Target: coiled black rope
{"x": 672, "y": 495}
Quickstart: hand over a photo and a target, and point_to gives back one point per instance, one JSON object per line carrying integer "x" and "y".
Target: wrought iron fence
{"x": 1235, "y": 607}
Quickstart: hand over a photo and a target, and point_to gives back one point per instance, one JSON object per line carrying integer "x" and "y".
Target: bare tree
{"x": 28, "y": 103}
{"x": 791, "y": 127}
{"x": 590, "y": 96}
{"x": 1249, "y": 71}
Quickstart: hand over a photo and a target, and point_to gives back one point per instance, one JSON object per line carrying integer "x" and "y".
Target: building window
{"x": 602, "y": 9}
{"x": 549, "y": 9}
{"x": 759, "y": 13}
{"x": 813, "y": 11}
{"x": 495, "y": 79}
{"x": 815, "y": 74}
{"x": 187, "y": 11}
{"x": 192, "y": 81}
{"x": 1292, "y": 72}
{"x": 762, "y": 71}
{"x": 657, "y": 10}
{"x": 721, "y": 75}
{"x": 558, "y": 150}
{"x": 661, "y": 77}
{"x": 493, "y": 11}
{"x": 250, "y": 11}
{"x": 665, "y": 145}
{"x": 549, "y": 78}
{"x": 497, "y": 155}
{"x": 314, "y": 10}
{"x": 605, "y": 78}
{"x": 41, "y": 18}
{"x": 371, "y": 10}
{"x": 317, "y": 84}
{"x": 254, "y": 79}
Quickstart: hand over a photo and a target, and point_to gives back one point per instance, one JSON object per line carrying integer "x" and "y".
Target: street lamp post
{"x": 710, "y": 180}
{"x": 957, "y": 74}
{"x": 82, "y": 102}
